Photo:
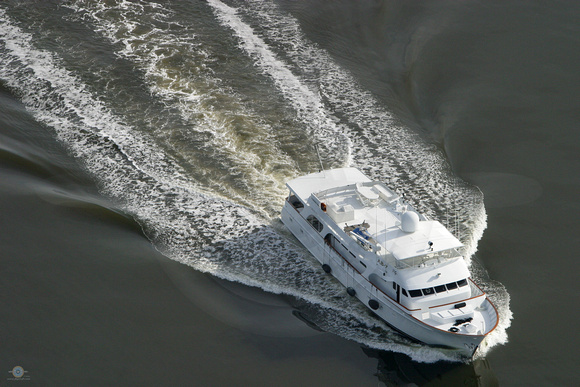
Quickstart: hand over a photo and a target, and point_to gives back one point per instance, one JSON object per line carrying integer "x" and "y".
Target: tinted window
{"x": 440, "y": 288}
{"x": 428, "y": 291}
{"x": 405, "y": 293}
{"x": 463, "y": 282}
{"x": 451, "y": 286}
{"x": 315, "y": 223}
{"x": 415, "y": 293}
{"x": 394, "y": 286}
{"x": 296, "y": 203}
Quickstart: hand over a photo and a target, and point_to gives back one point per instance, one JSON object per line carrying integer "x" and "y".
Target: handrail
{"x": 362, "y": 241}
{"x": 455, "y": 302}
{"x": 325, "y": 192}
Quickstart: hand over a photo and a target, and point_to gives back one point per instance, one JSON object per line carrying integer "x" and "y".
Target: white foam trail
{"x": 384, "y": 149}
{"x": 129, "y": 166}
{"x": 77, "y": 101}
{"x": 208, "y": 233}
{"x": 134, "y": 27}
{"x": 294, "y": 90}
{"x": 306, "y": 102}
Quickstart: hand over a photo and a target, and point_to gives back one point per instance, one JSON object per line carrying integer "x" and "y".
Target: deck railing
{"x": 427, "y": 259}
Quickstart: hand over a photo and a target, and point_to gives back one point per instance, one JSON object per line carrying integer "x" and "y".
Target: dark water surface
{"x": 144, "y": 148}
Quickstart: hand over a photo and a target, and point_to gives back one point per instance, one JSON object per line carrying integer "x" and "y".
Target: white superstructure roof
{"x": 379, "y": 207}
{"x": 304, "y": 186}
{"x": 406, "y": 245}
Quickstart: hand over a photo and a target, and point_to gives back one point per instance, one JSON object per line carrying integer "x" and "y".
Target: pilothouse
{"x": 404, "y": 266}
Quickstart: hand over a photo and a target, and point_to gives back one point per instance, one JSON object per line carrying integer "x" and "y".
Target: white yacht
{"x": 402, "y": 265}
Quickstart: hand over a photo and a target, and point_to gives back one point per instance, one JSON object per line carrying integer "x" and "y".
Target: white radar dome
{"x": 410, "y": 221}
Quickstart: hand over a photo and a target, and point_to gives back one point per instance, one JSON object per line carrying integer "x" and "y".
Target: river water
{"x": 144, "y": 148}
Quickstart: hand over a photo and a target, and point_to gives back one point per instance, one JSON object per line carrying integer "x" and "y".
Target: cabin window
{"x": 463, "y": 282}
{"x": 451, "y": 286}
{"x": 440, "y": 288}
{"x": 415, "y": 293}
{"x": 428, "y": 291}
{"x": 328, "y": 239}
{"x": 314, "y": 222}
{"x": 394, "y": 285}
{"x": 405, "y": 293}
{"x": 296, "y": 203}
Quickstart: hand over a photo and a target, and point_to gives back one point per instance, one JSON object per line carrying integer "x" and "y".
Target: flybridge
{"x": 378, "y": 219}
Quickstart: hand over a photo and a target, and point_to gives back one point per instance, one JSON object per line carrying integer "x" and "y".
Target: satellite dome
{"x": 410, "y": 221}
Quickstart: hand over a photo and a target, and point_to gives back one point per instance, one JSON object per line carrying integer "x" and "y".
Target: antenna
{"x": 319, "y": 158}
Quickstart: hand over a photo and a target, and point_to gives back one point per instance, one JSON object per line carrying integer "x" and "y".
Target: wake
{"x": 202, "y": 217}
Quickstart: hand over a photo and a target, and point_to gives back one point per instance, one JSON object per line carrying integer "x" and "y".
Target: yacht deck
{"x": 380, "y": 211}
